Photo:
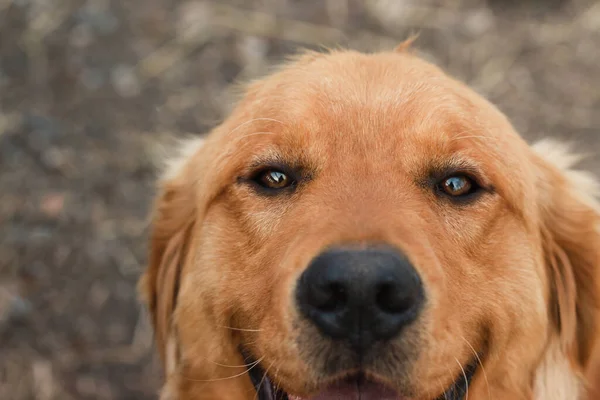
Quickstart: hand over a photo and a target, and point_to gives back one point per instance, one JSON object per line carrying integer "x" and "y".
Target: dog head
{"x": 365, "y": 226}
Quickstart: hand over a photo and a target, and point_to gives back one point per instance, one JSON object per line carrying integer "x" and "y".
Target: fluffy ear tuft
{"x": 570, "y": 218}
{"x": 407, "y": 44}
{"x": 174, "y": 165}
{"x": 562, "y": 156}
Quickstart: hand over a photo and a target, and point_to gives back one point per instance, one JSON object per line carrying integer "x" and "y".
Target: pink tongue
{"x": 352, "y": 391}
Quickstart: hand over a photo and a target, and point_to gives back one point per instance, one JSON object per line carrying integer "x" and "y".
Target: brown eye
{"x": 458, "y": 185}
{"x": 274, "y": 179}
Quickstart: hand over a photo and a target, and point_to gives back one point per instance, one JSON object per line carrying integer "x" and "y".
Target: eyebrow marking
{"x": 253, "y": 134}
{"x": 254, "y": 120}
{"x": 474, "y": 137}
{"x": 440, "y": 169}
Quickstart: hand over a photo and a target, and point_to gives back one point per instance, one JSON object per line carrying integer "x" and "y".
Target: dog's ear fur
{"x": 174, "y": 216}
{"x": 407, "y": 44}
{"x": 570, "y": 219}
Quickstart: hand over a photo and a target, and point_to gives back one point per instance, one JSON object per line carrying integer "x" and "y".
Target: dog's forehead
{"x": 384, "y": 105}
{"x": 382, "y": 110}
{"x": 350, "y": 99}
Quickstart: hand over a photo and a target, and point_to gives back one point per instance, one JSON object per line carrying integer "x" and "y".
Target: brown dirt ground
{"x": 89, "y": 90}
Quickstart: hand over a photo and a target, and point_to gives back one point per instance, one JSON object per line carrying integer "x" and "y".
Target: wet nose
{"x": 362, "y": 295}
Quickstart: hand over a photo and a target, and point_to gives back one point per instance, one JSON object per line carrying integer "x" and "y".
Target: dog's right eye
{"x": 273, "y": 179}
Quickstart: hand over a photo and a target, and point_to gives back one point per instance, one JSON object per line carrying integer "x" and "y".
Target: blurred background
{"x": 90, "y": 89}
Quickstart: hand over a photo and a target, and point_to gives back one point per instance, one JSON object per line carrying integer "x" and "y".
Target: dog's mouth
{"x": 356, "y": 387}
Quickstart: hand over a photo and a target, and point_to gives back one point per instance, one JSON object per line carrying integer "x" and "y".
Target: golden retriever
{"x": 363, "y": 226}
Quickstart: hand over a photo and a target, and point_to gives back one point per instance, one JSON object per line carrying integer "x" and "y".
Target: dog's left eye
{"x": 273, "y": 179}
{"x": 458, "y": 186}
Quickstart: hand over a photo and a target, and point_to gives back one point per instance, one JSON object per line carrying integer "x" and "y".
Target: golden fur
{"x": 513, "y": 275}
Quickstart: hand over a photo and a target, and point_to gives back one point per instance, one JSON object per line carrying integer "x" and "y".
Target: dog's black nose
{"x": 360, "y": 295}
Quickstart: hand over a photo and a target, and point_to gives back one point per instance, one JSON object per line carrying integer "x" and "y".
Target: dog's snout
{"x": 360, "y": 295}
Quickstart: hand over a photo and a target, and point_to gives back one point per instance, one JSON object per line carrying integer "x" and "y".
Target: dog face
{"x": 363, "y": 226}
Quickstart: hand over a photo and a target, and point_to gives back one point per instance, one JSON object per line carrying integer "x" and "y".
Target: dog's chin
{"x": 355, "y": 387}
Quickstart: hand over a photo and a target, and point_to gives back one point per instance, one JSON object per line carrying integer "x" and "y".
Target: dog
{"x": 363, "y": 226}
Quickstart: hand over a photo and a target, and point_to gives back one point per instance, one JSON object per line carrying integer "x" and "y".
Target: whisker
{"x": 253, "y": 134}
{"x": 254, "y": 120}
{"x": 230, "y": 366}
{"x": 474, "y": 137}
{"x": 441, "y": 387}
{"x": 466, "y": 379}
{"x": 239, "y": 329}
{"x": 253, "y": 365}
{"x": 487, "y": 384}
{"x": 275, "y": 376}
{"x": 262, "y": 380}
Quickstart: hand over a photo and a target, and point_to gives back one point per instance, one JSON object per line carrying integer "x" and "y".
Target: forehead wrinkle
{"x": 380, "y": 87}
{"x": 359, "y": 125}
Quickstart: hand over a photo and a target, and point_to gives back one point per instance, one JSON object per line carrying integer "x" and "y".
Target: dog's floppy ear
{"x": 174, "y": 216}
{"x": 570, "y": 219}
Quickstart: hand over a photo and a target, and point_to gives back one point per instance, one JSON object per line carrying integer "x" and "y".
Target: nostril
{"x": 330, "y": 298}
{"x": 390, "y": 299}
